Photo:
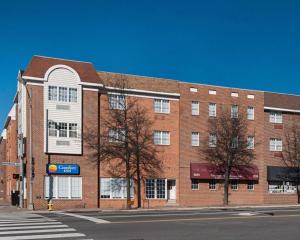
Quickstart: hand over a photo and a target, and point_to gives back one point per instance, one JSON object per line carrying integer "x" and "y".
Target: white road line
{"x": 92, "y": 219}
{"x": 46, "y": 236}
{"x": 38, "y": 231}
{"x": 29, "y": 224}
{"x": 32, "y": 227}
{"x": 25, "y": 221}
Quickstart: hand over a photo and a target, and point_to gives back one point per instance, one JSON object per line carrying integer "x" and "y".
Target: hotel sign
{"x": 63, "y": 169}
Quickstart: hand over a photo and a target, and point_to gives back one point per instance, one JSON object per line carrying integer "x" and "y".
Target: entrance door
{"x": 171, "y": 189}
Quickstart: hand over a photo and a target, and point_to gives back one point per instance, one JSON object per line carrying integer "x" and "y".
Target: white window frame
{"x": 161, "y": 137}
{"x": 161, "y": 105}
{"x": 212, "y": 109}
{"x": 276, "y": 117}
{"x": 212, "y": 185}
{"x": 195, "y": 139}
{"x": 73, "y": 130}
{"x": 63, "y": 94}
{"x": 250, "y": 142}
{"x": 72, "y": 95}
{"x": 116, "y": 101}
{"x": 120, "y": 193}
{"x": 250, "y": 185}
{"x": 116, "y": 135}
{"x": 51, "y": 129}
{"x": 52, "y": 93}
{"x": 212, "y": 140}
{"x": 250, "y": 113}
{"x": 276, "y": 145}
{"x": 234, "y": 185}
{"x": 234, "y": 111}
{"x": 195, "y": 184}
{"x": 195, "y": 108}
{"x": 70, "y": 187}
{"x": 156, "y": 195}
{"x": 64, "y": 130}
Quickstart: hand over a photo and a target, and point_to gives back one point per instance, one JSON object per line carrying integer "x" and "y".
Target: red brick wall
{"x": 190, "y": 154}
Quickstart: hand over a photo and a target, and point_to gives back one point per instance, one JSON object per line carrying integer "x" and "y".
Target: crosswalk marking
{"x": 38, "y": 231}
{"x": 28, "y": 224}
{"x": 33, "y": 226}
{"x": 55, "y": 236}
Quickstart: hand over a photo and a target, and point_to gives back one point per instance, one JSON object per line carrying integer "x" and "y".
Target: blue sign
{"x": 67, "y": 169}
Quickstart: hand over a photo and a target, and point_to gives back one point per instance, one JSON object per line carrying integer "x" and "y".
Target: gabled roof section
{"x": 283, "y": 101}
{"x": 39, "y": 65}
{"x": 134, "y": 82}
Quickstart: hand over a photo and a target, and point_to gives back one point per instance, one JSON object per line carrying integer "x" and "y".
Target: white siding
{"x": 68, "y": 112}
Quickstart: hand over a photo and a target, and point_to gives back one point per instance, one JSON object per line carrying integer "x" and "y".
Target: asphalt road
{"x": 242, "y": 224}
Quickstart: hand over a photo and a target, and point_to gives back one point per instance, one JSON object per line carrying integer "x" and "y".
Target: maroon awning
{"x": 208, "y": 171}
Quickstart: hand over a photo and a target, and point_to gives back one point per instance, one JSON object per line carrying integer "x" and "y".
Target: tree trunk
{"x": 128, "y": 198}
{"x": 226, "y": 186}
{"x": 139, "y": 195}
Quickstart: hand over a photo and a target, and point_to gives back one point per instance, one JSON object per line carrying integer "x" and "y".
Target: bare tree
{"x": 291, "y": 153}
{"x": 126, "y": 139}
{"x": 228, "y": 147}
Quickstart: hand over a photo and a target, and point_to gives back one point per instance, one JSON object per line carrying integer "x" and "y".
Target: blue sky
{"x": 247, "y": 44}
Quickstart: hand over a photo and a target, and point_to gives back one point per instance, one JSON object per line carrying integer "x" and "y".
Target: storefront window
{"x": 115, "y": 188}
{"x": 282, "y": 187}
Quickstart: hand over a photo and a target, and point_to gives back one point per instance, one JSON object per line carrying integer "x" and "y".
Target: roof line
{"x": 62, "y": 59}
{"x": 134, "y": 75}
{"x": 290, "y": 94}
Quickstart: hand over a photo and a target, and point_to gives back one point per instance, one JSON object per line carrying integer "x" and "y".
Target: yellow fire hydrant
{"x": 50, "y": 206}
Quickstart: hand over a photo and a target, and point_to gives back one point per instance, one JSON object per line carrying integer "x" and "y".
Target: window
{"x": 282, "y": 187}
{"x": 62, "y": 129}
{"x": 63, "y": 187}
{"x": 116, "y": 135}
{"x": 250, "y": 142}
{"x": 195, "y": 139}
{"x": 234, "y": 94}
{"x": 212, "y": 110}
{"x": 212, "y": 140}
{"x": 52, "y": 93}
{"x": 250, "y": 96}
{"x": 161, "y": 137}
{"x": 212, "y": 184}
{"x": 161, "y": 106}
{"x": 193, "y": 89}
{"x": 250, "y": 113}
{"x": 116, "y": 101}
{"x": 63, "y": 94}
{"x": 156, "y": 188}
{"x": 234, "y": 185}
{"x": 195, "y": 184}
{"x": 73, "y": 95}
{"x": 52, "y": 129}
{"x": 195, "y": 108}
{"x": 212, "y": 92}
{"x": 275, "y": 144}
{"x": 234, "y": 111}
{"x": 250, "y": 185}
{"x": 275, "y": 117}
{"x": 115, "y": 188}
{"x": 73, "y": 130}
{"x": 235, "y": 142}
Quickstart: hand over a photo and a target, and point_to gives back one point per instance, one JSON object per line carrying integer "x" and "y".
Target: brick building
{"x": 68, "y": 98}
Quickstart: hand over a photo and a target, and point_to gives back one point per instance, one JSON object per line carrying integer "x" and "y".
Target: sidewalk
{"x": 6, "y": 208}
{"x": 241, "y": 207}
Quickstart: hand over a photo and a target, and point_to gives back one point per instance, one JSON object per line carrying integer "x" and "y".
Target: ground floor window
{"x": 115, "y": 188}
{"x": 156, "y": 188}
{"x": 212, "y": 185}
{"x": 250, "y": 185}
{"x": 282, "y": 187}
{"x": 195, "y": 184}
{"x": 63, "y": 187}
{"x": 234, "y": 185}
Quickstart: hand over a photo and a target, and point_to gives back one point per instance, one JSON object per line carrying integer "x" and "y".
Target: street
{"x": 245, "y": 224}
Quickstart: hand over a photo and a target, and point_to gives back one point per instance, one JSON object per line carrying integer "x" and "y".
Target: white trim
{"x": 61, "y": 59}
{"x": 34, "y": 84}
{"x": 282, "y": 109}
{"x": 61, "y": 66}
{"x": 143, "y": 96}
{"x": 33, "y": 78}
{"x": 91, "y": 84}
{"x": 91, "y": 89}
{"x": 145, "y": 91}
